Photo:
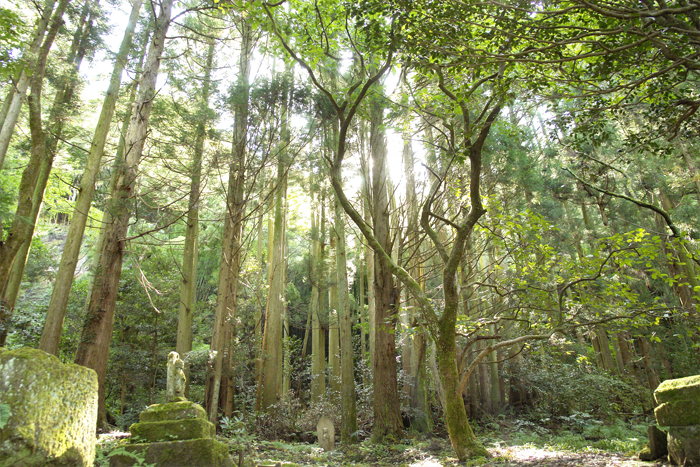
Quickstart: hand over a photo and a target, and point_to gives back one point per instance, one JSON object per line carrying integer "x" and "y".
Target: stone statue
{"x": 176, "y": 379}
{"x": 326, "y": 434}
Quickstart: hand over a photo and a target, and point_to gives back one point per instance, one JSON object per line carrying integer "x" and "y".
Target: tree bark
{"x": 318, "y": 341}
{"x": 60, "y": 109}
{"x": 188, "y": 285}
{"x": 333, "y": 328}
{"x": 227, "y": 292}
{"x": 387, "y": 410}
{"x": 44, "y": 34}
{"x": 55, "y": 314}
{"x": 272, "y": 349}
{"x": 93, "y": 349}
{"x": 348, "y": 427}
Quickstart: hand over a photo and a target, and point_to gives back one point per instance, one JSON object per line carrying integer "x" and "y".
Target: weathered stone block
{"x": 53, "y": 410}
{"x": 678, "y": 413}
{"x": 172, "y": 411}
{"x": 658, "y": 443}
{"x": 645, "y": 454}
{"x": 678, "y": 389}
{"x": 326, "y": 434}
{"x": 188, "y": 453}
{"x": 171, "y": 430}
{"x": 684, "y": 445}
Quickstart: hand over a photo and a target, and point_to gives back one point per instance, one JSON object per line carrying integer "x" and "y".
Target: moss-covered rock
{"x": 678, "y": 389}
{"x": 53, "y": 410}
{"x": 678, "y": 413}
{"x": 645, "y": 454}
{"x": 190, "y": 453}
{"x": 170, "y": 430}
{"x": 684, "y": 445}
{"x": 172, "y": 411}
{"x": 658, "y": 442}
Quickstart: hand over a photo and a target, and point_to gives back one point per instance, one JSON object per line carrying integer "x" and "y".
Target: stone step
{"x": 678, "y": 389}
{"x": 172, "y": 430}
{"x": 206, "y": 452}
{"x": 172, "y": 411}
{"x": 678, "y": 413}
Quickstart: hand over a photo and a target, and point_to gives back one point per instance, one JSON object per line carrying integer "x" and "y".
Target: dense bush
{"x": 558, "y": 389}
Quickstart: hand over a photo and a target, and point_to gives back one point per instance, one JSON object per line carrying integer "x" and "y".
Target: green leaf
{"x": 5, "y": 414}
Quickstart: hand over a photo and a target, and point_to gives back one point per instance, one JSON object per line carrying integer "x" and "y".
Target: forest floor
{"x": 616, "y": 446}
{"x": 594, "y": 445}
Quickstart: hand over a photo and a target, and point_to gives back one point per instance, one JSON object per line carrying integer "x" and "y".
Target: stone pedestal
{"x": 684, "y": 445}
{"x": 52, "y": 410}
{"x": 176, "y": 434}
{"x": 679, "y": 410}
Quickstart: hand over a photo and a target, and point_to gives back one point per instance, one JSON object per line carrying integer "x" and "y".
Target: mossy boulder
{"x": 172, "y": 411}
{"x": 53, "y": 410}
{"x": 658, "y": 442}
{"x": 678, "y": 413}
{"x": 678, "y": 390}
{"x": 684, "y": 445}
{"x": 170, "y": 430}
{"x": 206, "y": 452}
{"x": 645, "y": 454}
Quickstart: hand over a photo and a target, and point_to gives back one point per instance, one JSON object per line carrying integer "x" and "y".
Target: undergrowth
{"x": 577, "y": 433}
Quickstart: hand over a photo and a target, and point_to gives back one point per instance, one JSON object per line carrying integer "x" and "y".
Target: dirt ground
{"x": 438, "y": 454}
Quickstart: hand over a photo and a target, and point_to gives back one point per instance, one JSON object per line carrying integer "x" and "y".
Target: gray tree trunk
{"x": 33, "y": 58}
{"x": 93, "y": 349}
{"x": 51, "y": 334}
{"x": 227, "y": 294}
{"x": 348, "y": 427}
{"x": 188, "y": 285}
{"x": 387, "y": 409}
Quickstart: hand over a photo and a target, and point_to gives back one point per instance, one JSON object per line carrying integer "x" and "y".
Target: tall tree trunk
{"x": 272, "y": 348}
{"x": 348, "y": 427}
{"x": 369, "y": 254}
{"x": 362, "y": 311}
{"x": 188, "y": 285}
{"x": 227, "y": 293}
{"x": 59, "y": 114}
{"x": 645, "y": 351}
{"x": 604, "y": 343}
{"x": 93, "y": 349}
{"x": 51, "y": 334}
{"x": 35, "y": 61}
{"x": 318, "y": 341}
{"x": 21, "y": 230}
{"x": 257, "y": 327}
{"x": 333, "y": 314}
{"x": 484, "y": 386}
{"x": 414, "y": 348}
{"x": 387, "y": 410}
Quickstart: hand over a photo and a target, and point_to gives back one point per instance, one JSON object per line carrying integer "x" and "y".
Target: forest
{"x": 427, "y": 220}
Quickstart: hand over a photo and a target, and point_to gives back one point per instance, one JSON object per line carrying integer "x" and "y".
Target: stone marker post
{"x": 679, "y": 411}
{"x": 326, "y": 434}
{"x": 176, "y": 382}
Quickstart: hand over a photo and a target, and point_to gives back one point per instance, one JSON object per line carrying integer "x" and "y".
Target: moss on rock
{"x": 684, "y": 445}
{"x": 678, "y": 389}
{"x": 172, "y": 411}
{"x": 189, "y": 453}
{"x": 53, "y": 410}
{"x": 169, "y": 430}
{"x": 645, "y": 454}
{"x": 678, "y": 413}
